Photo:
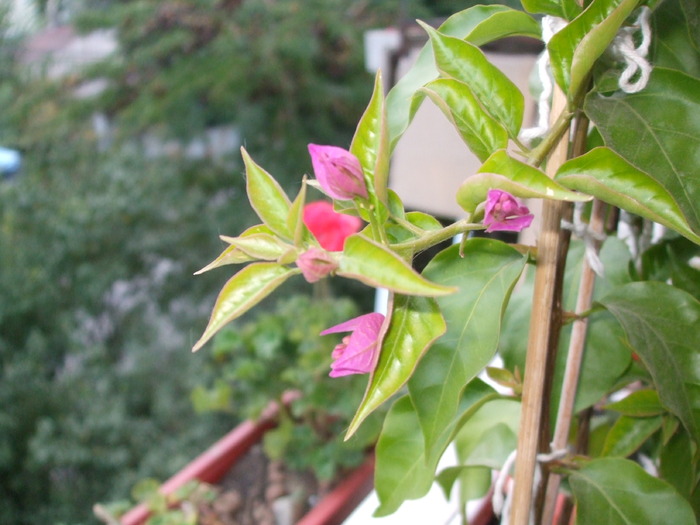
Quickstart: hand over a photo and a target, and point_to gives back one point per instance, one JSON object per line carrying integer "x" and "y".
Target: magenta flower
{"x": 358, "y": 352}
{"x": 328, "y": 226}
{"x": 338, "y": 172}
{"x": 505, "y": 213}
{"x": 315, "y": 264}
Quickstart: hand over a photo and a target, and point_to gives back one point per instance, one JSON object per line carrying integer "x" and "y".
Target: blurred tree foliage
{"x": 98, "y": 241}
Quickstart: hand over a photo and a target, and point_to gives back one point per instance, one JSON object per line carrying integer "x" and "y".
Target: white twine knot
{"x": 636, "y": 64}
{"x": 591, "y": 240}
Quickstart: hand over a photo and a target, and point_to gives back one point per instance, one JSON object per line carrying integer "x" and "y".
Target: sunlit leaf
{"x": 480, "y": 132}
{"x": 485, "y": 277}
{"x": 658, "y": 131}
{"x": 575, "y": 48}
{"x": 506, "y": 173}
{"x": 607, "y": 176}
{"x": 267, "y": 197}
{"x": 617, "y": 491}
{"x": 661, "y": 323}
{"x": 259, "y": 246}
{"x": 460, "y": 60}
{"x": 243, "y": 291}
{"x": 376, "y": 265}
{"x": 415, "y": 323}
{"x": 230, "y": 255}
{"x": 371, "y": 143}
{"x": 478, "y": 25}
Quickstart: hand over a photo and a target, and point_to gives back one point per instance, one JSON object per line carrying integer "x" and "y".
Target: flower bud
{"x": 338, "y": 172}
{"x": 315, "y": 264}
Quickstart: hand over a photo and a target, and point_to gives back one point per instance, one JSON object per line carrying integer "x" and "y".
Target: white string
{"x": 589, "y": 237}
{"x": 550, "y": 26}
{"x": 503, "y": 496}
{"x": 499, "y": 502}
{"x": 636, "y": 64}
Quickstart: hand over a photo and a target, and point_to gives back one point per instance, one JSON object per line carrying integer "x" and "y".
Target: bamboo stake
{"x": 574, "y": 359}
{"x": 541, "y": 323}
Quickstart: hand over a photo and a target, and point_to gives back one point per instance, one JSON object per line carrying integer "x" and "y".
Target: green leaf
{"x": 460, "y": 60}
{"x": 231, "y": 255}
{"x": 677, "y": 465}
{"x": 415, "y": 323}
{"x": 295, "y": 219}
{"x": 641, "y": 403}
{"x": 480, "y": 132}
{"x": 607, "y": 176}
{"x": 376, "y": 265}
{"x": 566, "y": 9}
{"x": 401, "y": 472}
{"x": 474, "y": 482}
{"x": 484, "y": 277}
{"x": 574, "y": 49}
{"x": 259, "y": 245}
{"x": 267, "y": 197}
{"x": 672, "y": 46}
{"x": 489, "y": 436}
{"x": 617, "y": 491}
{"x": 478, "y": 25}
{"x": 628, "y": 434}
{"x": 243, "y": 291}
{"x": 522, "y": 180}
{"x": 371, "y": 143}
{"x": 661, "y": 323}
{"x": 658, "y": 131}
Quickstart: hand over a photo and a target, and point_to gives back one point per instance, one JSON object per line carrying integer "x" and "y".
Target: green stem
{"x": 433, "y": 237}
{"x": 544, "y": 148}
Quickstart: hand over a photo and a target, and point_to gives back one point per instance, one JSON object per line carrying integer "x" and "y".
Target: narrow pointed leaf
{"x": 506, "y": 173}
{"x": 267, "y": 197}
{"x": 371, "y": 143}
{"x": 231, "y": 255}
{"x": 658, "y": 131}
{"x": 376, "y": 265}
{"x": 484, "y": 277}
{"x": 458, "y": 59}
{"x": 295, "y": 219}
{"x": 617, "y": 491}
{"x": 480, "y": 132}
{"x": 610, "y": 178}
{"x": 415, "y": 323}
{"x": 243, "y": 291}
{"x": 661, "y": 323}
{"x": 575, "y": 48}
{"x": 259, "y": 246}
{"x": 479, "y": 25}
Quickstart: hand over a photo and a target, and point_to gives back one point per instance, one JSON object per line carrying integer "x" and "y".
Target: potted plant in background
{"x": 288, "y": 459}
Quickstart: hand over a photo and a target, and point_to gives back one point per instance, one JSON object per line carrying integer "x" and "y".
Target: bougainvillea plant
{"x": 597, "y": 325}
